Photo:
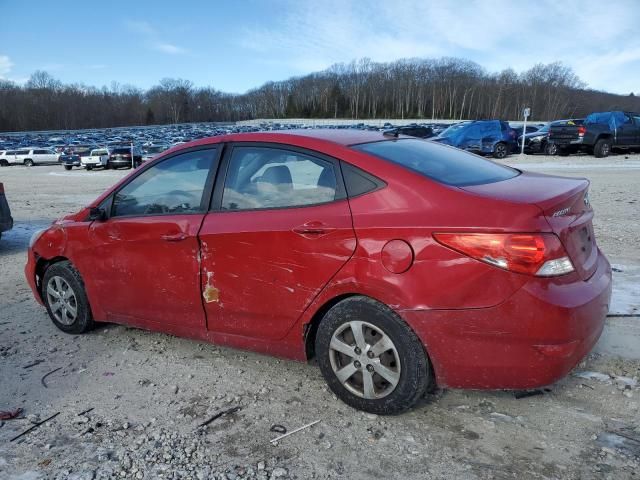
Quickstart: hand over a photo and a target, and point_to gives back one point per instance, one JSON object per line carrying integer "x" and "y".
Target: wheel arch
{"x": 311, "y": 327}
{"x": 42, "y": 264}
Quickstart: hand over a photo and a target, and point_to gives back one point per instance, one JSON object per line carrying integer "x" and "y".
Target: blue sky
{"x": 237, "y": 45}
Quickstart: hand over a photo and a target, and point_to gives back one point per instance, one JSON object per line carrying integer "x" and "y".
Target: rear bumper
{"x": 533, "y": 339}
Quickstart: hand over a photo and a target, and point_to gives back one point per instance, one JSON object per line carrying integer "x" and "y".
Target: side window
{"x": 173, "y": 186}
{"x": 262, "y": 177}
{"x": 474, "y": 132}
{"x": 627, "y": 120}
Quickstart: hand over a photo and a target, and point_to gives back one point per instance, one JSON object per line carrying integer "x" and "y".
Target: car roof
{"x": 344, "y": 137}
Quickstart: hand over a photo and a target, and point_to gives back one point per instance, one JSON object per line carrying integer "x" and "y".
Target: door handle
{"x": 176, "y": 237}
{"x": 313, "y": 228}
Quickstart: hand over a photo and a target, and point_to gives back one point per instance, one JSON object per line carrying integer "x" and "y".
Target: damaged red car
{"x": 399, "y": 264}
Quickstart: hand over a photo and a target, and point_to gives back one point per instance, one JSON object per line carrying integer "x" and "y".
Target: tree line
{"x": 445, "y": 88}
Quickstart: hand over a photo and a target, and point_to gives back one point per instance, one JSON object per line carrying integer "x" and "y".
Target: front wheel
{"x": 370, "y": 358}
{"x": 28, "y": 162}
{"x": 500, "y": 150}
{"x": 65, "y": 298}
{"x": 550, "y": 149}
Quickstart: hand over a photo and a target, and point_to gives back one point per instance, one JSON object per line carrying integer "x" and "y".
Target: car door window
{"x": 262, "y": 177}
{"x": 173, "y": 186}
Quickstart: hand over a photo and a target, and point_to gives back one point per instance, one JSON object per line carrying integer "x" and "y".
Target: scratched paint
{"x": 210, "y": 293}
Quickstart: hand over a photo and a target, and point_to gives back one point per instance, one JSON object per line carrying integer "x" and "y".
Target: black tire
{"x": 415, "y": 372}
{"x": 550, "y": 149}
{"x": 500, "y": 150}
{"x": 602, "y": 148}
{"x": 83, "y": 320}
{"x": 68, "y": 167}
{"x": 563, "y": 152}
{"x": 4, "y": 163}
{"x": 89, "y": 168}
{"x": 28, "y": 163}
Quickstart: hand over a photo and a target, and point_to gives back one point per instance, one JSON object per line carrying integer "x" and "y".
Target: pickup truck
{"x": 601, "y": 132}
{"x": 97, "y": 158}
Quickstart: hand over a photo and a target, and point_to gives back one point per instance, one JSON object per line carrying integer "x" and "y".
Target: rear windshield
{"x": 444, "y": 164}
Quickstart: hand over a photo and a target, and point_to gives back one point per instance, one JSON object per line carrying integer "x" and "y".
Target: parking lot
{"x": 131, "y": 402}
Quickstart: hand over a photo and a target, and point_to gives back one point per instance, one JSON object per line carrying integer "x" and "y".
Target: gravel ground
{"x": 131, "y": 402}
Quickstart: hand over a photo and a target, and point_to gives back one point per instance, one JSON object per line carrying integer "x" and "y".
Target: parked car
{"x": 98, "y": 157}
{"x": 601, "y": 132}
{"x": 488, "y": 137}
{"x": 74, "y": 157}
{"x": 417, "y": 131}
{"x": 6, "y": 220}
{"x": 32, "y": 156}
{"x": 121, "y": 157}
{"x": 152, "y": 151}
{"x": 530, "y": 129}
{"x": 368, "y": 252}
{"x": 537, "y": 142}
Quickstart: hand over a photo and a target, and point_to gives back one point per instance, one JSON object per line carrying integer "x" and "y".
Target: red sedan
{"x": 398, "y": 263}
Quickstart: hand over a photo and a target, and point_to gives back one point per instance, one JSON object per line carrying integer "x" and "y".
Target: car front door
{"x": 280, "y": 230}
{"x": 145, "y": 259}
{"x": 636, "y": 121}
{"x": 626, "y": 131}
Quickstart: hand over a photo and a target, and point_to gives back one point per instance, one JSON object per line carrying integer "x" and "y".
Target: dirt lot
{"x": 149, "y": 392}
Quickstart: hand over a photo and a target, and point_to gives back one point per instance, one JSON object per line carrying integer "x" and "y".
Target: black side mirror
{"x": 97, "y": 214}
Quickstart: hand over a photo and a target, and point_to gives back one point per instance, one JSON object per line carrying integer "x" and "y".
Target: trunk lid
{"x": 564, "y": 203}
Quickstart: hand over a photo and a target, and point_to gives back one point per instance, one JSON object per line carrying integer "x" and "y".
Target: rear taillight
{"x": 582, "y": 130}
{"x": 539, "y": 254}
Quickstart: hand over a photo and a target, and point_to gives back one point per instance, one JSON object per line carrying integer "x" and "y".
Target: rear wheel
{"x": 370, "y": 358}
{"x": 89, "y": 167}
{"x": 602, "y": 148}
{"x": 64, "y": 296}
{"x": 68, "y": 167}
{"x": 500, "y": 150}
{"x": 28, "y": 163}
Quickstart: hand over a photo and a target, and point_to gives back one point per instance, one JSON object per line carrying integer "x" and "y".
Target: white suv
{"x": 32, "y": 156}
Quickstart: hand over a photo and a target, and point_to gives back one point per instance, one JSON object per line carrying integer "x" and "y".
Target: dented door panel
{"x": 147, "y": 269}
{"x": 259, "y": 273}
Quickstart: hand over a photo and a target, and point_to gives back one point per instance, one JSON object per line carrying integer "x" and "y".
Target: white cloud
{"x": 5, "y": 66}
{"x": 169, "y": 48}
{"x": 497, "y": 34}
{"x": 152, "y": 38}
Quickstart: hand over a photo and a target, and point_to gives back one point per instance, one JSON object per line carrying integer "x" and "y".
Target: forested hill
{"x": 446, "y": 88}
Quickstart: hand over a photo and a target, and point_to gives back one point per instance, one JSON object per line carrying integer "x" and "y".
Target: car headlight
{"x": 36, "y": 235}
{"x": 537, "y": 139}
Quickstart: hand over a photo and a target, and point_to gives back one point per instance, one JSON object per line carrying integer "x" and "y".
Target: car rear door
{"x": 145, "y": 257}
{"x": 279, "y": 230}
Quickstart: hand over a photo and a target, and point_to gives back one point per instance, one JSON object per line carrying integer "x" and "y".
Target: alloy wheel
{"x": 365, "y": 360}
{"x": 62, "y": 300}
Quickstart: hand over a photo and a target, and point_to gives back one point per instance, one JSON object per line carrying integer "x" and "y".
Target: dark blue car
{"x": 486, "y": 137}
